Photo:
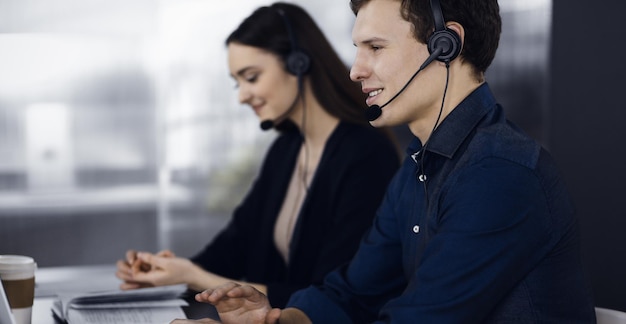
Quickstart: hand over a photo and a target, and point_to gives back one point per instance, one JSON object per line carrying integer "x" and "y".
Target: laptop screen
{"x": 5, "y": 310}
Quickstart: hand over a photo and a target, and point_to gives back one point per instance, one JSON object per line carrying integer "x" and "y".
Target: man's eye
{"x": 252, "y": 78}
{"x": 375, "y": 48}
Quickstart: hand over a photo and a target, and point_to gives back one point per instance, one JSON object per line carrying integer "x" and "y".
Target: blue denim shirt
{"x": 489, "y": 237}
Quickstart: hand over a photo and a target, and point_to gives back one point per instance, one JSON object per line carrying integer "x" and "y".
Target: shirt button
{"x": 416, "y": 229}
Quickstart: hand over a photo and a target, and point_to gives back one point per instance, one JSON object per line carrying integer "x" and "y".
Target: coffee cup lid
{"x": 13, "y": 266}
{"x": 18, "y": 260}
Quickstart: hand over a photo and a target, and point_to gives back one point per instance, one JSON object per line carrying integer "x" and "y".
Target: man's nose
{"x": 359, "y": 70}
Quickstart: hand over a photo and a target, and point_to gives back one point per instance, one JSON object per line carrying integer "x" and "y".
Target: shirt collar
{"x": 455, "y": 128}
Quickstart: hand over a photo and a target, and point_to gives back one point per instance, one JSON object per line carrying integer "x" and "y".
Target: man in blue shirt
{"x": 477, "y": 226}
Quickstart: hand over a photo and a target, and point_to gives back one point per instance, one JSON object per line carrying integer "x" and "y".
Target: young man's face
{"x": 387, "y": 56}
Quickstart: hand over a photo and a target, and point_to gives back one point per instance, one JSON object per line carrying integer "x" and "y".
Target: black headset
{"x": 297, "y": 61}
{"x": 445, "y": 39}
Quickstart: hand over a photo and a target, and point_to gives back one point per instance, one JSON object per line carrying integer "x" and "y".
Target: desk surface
{"x": 50, "y": 281}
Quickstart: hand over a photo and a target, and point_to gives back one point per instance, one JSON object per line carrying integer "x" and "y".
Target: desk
{"x": 50, "y": 281}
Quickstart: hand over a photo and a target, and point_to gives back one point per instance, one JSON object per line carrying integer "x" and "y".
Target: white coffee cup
{"x": 17, "y": 273}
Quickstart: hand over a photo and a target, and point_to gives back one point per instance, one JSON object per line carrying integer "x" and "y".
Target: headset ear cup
{"x": 448, "y": 41}
{"x": 298, "y": 63}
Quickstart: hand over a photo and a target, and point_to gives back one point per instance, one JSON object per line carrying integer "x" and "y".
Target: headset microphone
{"x": 374, "y": 111}
{"x": 269, "y": 123}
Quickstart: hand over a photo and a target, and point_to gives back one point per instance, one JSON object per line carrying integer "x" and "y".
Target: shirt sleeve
{"x": 247, "y": 219}
{"x": 232, "y": 240}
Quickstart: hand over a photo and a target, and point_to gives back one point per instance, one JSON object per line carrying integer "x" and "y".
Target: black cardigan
{"x": 351, "y": 179}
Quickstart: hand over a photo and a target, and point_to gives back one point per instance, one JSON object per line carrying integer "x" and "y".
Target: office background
{"x": 120, "y": 128}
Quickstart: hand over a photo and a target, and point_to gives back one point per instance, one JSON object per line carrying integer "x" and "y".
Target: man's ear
{"x": 458, "y": 29}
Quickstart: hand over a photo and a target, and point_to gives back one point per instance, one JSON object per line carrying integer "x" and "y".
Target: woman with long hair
{"x": 320, "y": 182}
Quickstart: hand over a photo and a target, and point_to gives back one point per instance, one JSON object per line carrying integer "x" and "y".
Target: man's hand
{"x": 240, "y": 304}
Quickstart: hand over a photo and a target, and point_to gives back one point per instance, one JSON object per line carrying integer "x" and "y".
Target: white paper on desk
{"x": 160, "y": 312}
{"x": 157, "y": 303}
{"x": 145, "y": 305}
{"x": 151, "y": 293}
{"x": 147, "y": 315}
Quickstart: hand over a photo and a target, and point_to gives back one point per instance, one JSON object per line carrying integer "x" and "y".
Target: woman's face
{"x": 262, "y": 80}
